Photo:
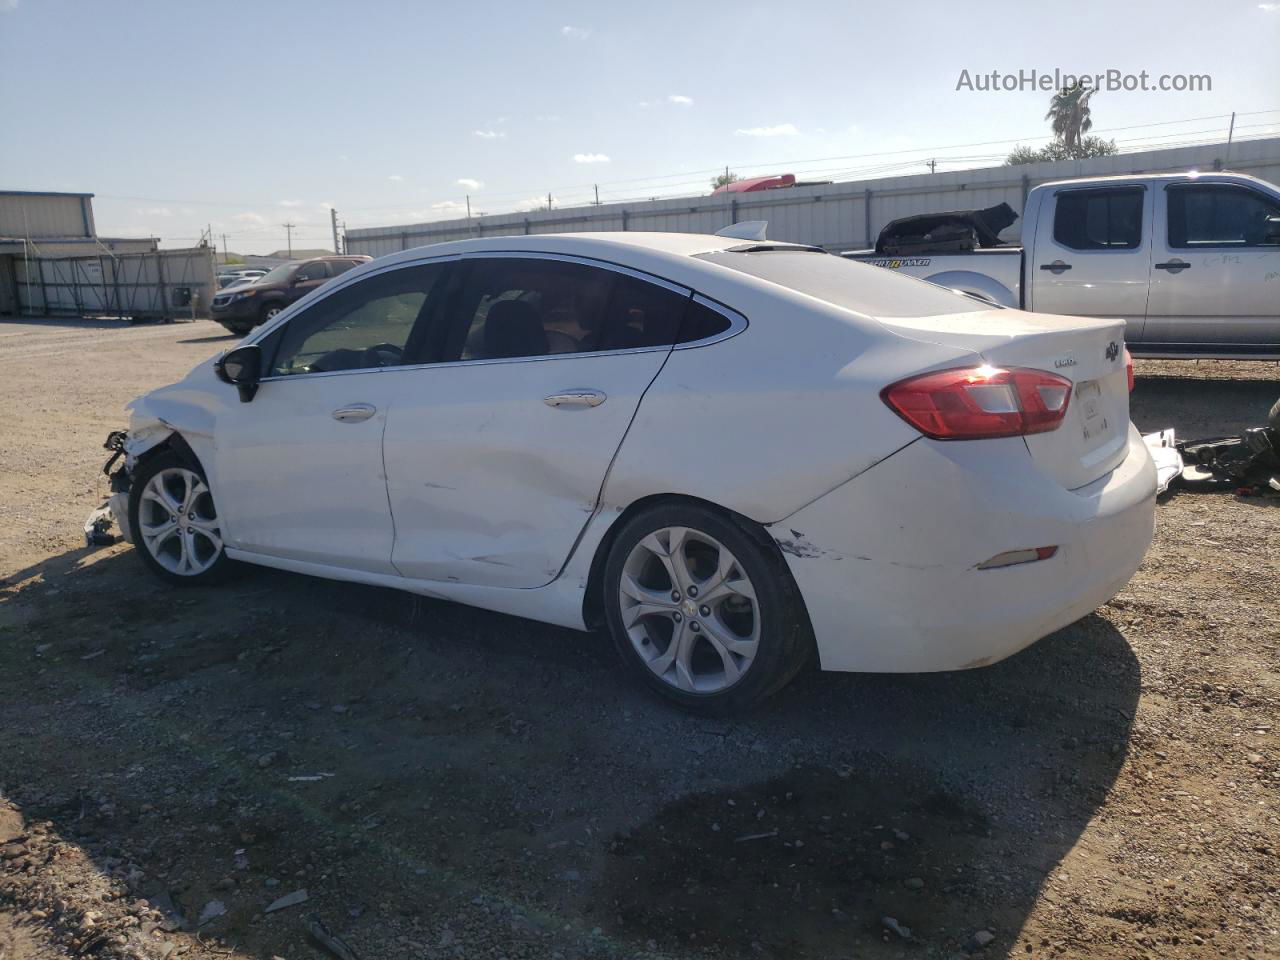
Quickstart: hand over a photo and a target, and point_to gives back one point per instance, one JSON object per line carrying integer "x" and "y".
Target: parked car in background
{"x": 228, "y": 278}
{"x": 1190, "y": 262}
{"x": 736, "y": 455}
{"x": 242, "y": 308}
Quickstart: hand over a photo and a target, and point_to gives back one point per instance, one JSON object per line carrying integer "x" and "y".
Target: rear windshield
{"x": 876, "y": 291}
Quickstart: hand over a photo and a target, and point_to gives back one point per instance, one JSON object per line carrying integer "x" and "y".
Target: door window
{"x": 1213, "y": 215}
{"x": 1099, "y": 219}
{"x": 530, "y": 307}
{"x": 367, "y": 324}
{"x": 312, "y": 271}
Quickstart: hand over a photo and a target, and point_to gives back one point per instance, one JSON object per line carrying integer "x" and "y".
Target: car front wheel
{"x": 175, "y": 523}
{"x": 703, "y": 609}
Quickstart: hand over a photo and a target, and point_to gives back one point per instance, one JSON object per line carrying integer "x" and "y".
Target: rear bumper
{"x": 887, "y": 563}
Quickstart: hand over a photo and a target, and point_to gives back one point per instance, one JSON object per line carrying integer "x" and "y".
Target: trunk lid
{"x": 1093, "y": 438}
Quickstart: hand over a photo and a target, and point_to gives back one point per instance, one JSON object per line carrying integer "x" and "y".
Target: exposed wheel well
{"x": 174, "y": 443}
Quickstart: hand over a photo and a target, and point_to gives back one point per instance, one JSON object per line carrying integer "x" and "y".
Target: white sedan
{"x": 736, "y": 455}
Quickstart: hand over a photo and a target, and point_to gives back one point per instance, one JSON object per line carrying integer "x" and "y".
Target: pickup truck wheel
{"x": 705, "y": 613}
{"x": 176, "y": 527}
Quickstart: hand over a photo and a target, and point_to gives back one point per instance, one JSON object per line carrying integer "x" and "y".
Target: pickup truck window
{"x": 1099, "y": 219}
{"x": 1221, "y": 215}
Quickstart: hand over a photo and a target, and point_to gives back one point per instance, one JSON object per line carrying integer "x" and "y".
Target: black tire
{"x": 269, "y": 311}
{"x": 239, "y": 329}
{"x": 214, "y": 565}
{"x": 785, "y": 638}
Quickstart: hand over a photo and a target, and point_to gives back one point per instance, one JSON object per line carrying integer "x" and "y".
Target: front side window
{"x": 313, "y": 271}
{"x": 1099, "y": 219}
{"x": 1219, "y": 215}
{"x": 530, "y": 307}
{"x": 363, "y": 326}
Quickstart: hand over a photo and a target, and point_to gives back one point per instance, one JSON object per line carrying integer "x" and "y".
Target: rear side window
{"x": 518, "y": 307}
{"x": 641, "y": 314}
{"x": 1212, "y": 215}
{"x": 701, "y": 322}
{"x": 1099, "y": 219}
{"x": 337, "y": 267}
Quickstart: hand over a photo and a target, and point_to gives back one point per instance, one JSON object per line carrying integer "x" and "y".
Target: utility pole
{"x": 333, "y": 221}
{"x": 288, "y": 228}
{"x": 224, "y": 248}
{"x": 933, "y": 164}
{"x": 1230, "y": 132}
{"x": 597, "y": 186}
{"x": 548, "y": 199}
{"x": 468, "y": 206}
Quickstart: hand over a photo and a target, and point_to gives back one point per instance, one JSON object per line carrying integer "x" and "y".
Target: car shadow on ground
{"x": 453, "y": 757}
{"x": 1200, "y": 408}
{"x": 217, "y": 338}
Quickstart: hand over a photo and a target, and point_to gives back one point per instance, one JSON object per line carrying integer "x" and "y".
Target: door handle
{"x": 575, "y": 398}
{"x": 1056, "y": 267}
{"x": 1173, "y": 266}
{"x": 355, "y": 412}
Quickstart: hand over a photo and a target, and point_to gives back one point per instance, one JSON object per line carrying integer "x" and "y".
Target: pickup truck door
{"x": 1215, "y": 283}
{"x": 1091, "y": 253}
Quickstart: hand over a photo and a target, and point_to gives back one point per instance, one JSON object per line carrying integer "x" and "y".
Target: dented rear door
{"x": 494, "y": 463}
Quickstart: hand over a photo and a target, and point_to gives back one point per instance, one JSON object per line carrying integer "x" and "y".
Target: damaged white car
{"x": 735, "y": 454}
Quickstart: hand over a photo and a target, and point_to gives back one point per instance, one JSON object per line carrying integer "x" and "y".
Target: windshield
{"x": 279, "y": 274}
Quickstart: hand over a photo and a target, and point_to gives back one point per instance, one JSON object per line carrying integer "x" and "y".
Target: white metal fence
{"x": 833, "y": 215}
{"x": 162, "y": 284}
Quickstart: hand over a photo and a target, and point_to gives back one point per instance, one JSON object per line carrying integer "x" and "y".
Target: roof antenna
{"x": 746, "y": 230}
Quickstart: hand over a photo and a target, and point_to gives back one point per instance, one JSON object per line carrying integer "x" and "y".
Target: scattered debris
{"x": 982, "y": 938}
{"x": 1163, "y": 446}
{"x": 889, "y": 923}
{"x": 756, "y": 836}
{"x": 212, "y": 911}
{"x": 310, "y": 777}
{"x": 1248, "y": 464}
{"x": 323, "y": 937}
{"x": 288, "y": 900}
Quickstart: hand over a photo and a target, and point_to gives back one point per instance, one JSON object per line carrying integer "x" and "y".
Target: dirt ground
{"x": 448, "y": 783}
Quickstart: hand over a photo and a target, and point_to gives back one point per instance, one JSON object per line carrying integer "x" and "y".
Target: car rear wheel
{"x": 703, "y": 609}
{"x": 269, "y": 312}
{"x": 176, "y": 528}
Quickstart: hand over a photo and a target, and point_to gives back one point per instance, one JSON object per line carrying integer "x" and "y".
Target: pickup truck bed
{"x": 1190, "y": 262}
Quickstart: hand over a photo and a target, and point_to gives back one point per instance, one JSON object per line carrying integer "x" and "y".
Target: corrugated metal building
{"x": 46, "y": 224}
{"x": 838, "y": 216}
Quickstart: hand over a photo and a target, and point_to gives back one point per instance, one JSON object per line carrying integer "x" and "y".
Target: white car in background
{"x": 735, "y": 454}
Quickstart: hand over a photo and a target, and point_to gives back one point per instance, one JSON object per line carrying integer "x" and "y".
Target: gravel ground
{"x": 448, "y": 783}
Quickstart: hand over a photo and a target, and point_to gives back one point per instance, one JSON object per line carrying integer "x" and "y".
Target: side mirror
{"x": 242, "y": 368}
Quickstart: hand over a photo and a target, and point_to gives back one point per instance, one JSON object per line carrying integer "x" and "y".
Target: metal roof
{"x": 41, "y": 193}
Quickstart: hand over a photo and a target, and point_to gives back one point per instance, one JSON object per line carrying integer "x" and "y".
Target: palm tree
{"x": 1069, "y": 111}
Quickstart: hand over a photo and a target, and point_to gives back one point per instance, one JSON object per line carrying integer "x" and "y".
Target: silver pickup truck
{"x": 1191, "y": 262}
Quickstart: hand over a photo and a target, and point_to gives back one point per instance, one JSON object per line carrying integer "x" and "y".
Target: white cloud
{"x": 535, "y": 203}
{"x": 468, "y": 183}
{"x": 250, "y": 217}
{"x": 289, "y": 203}
{"x": 680, "y": 99}
{"x": 7, "y": 5}
{"x": 590, "y": 158}
{"x": 326, "y": 205}
{"x": 779, "y": 130}
{"x": 395, "y": 178}
{"x": 490, "y": 134}
{"x": 450, "y": 206}
{"x": 575, "y": 33}
{"x": 1268, "y": 7}
{"x": 156, "y": 212}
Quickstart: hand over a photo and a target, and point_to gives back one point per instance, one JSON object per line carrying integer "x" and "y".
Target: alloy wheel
{"x": 690, "y": 610}
{"x": 178, "y": 522}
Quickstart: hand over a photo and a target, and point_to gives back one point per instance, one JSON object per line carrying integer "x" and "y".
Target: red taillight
{"x": 980, "y": 402}
{"x": 1128, "y": 367}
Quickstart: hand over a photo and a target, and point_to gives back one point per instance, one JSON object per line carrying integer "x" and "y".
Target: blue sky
{"x": 248, "y": 115}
